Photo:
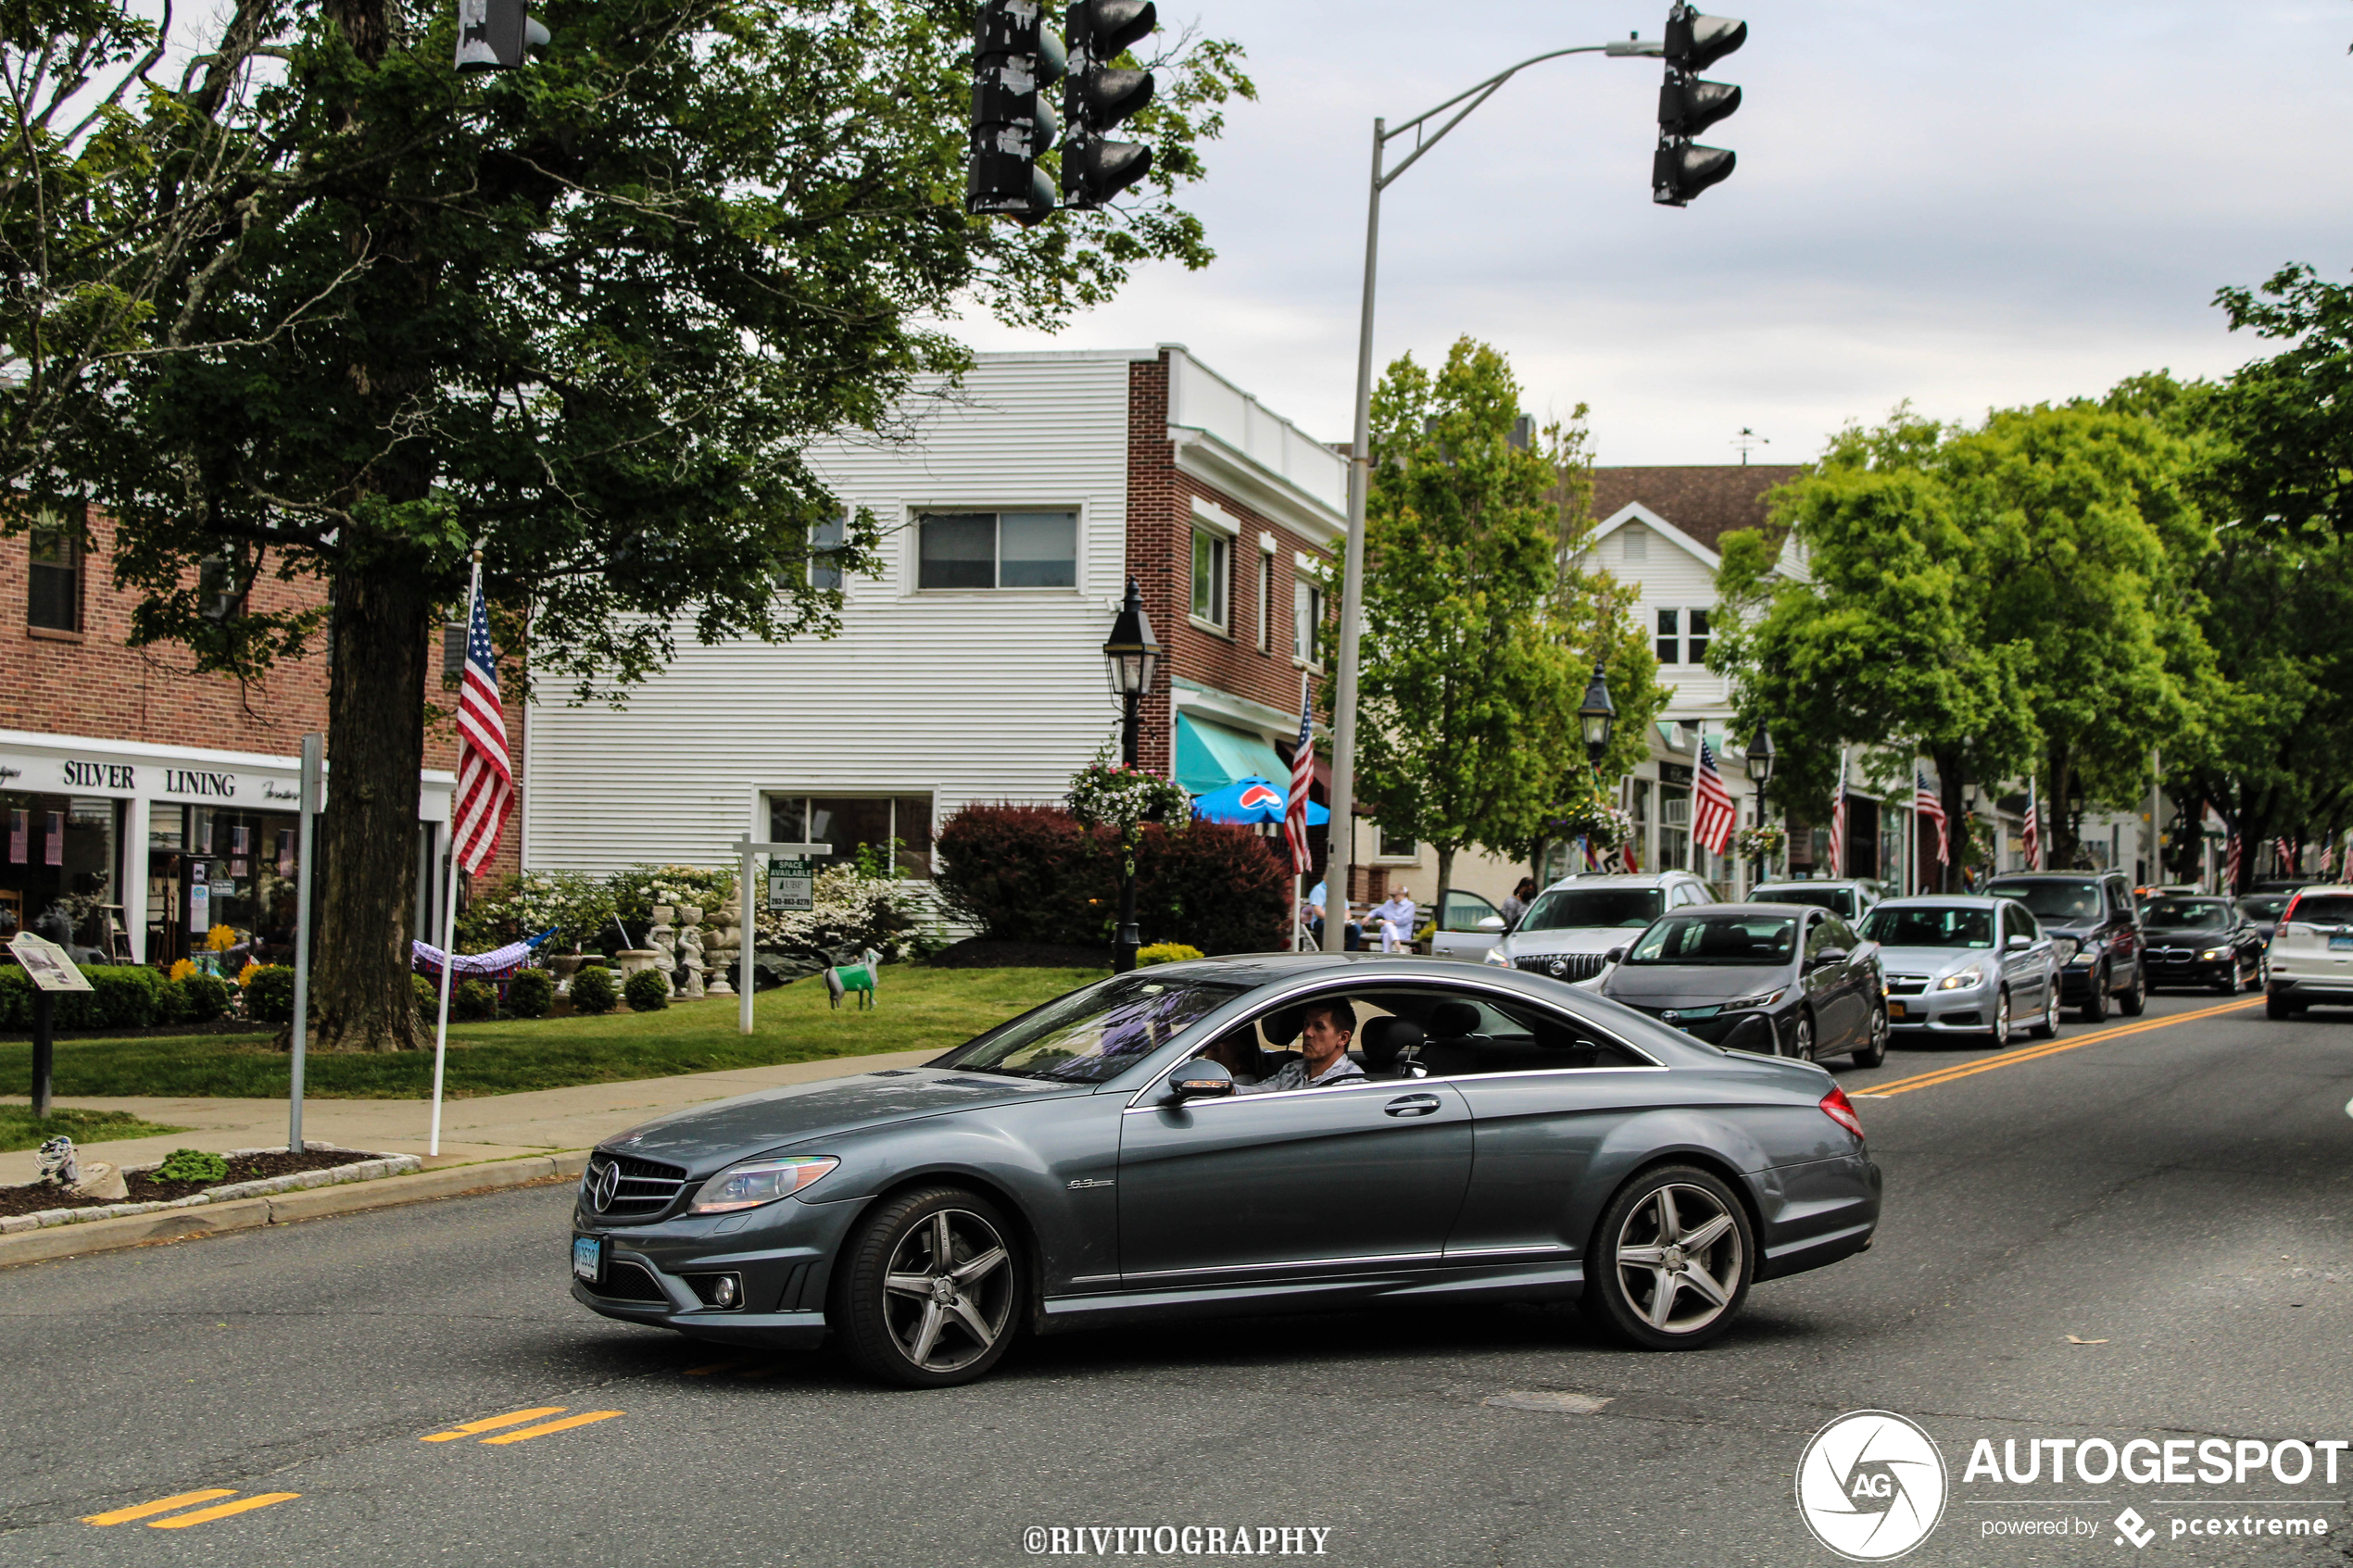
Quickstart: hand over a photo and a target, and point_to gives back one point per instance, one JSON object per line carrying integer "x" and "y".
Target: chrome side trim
{"x": 1300, "y": 1264}
{"x": 1542, "y": 1249}
{"x": 1328, "y": 1091}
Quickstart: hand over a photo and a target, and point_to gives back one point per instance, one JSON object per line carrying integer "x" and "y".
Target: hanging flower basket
{"x": 1600, "y": 822}
{"x": 1763, "y": 842}
{"x": 1105, "y": 794}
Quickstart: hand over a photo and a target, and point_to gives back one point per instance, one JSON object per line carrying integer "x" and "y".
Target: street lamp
{"x": 1597, "y": 716}
{"x": 1130, "y": 658}
{"x": 1351, "y": 587}
{"x": 1760, "y": 770}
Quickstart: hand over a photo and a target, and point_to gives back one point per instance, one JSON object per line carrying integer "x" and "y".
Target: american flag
{"x": 1302, "y": 775}
{"x": 2032, "y": 837}
{"x": 1712, "y": 814}
{"x": 2328, "y": 860}
{"x": 485, "y": 778}
{"x": 2289, "y": 855}
{"x": 1838, "y": 829}
{"x": 2231, "y": 865}
{"x": 1926, "y": 804}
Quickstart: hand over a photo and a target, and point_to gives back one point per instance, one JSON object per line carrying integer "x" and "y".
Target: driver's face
{"x": 1323, "y": 1038}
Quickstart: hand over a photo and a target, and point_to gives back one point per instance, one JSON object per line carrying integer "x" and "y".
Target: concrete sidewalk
{"x": 490, "y": 1127}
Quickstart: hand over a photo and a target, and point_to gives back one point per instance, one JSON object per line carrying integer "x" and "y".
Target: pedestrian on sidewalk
{"x": 1394, "y": 915}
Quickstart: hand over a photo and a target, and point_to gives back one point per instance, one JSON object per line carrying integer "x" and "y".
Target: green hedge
{"x": 122, "y": 996}
{"x": 269, "y": 994}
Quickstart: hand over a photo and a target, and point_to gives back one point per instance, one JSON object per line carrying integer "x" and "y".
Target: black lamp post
{"x": 2075, "y": 815}
{"x": 1598, "y": 716}
{"x": 1760, "y": 770}
{"x": 1131, "y": 656}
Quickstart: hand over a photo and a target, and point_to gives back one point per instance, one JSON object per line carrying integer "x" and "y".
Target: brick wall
{"x": 1160, "y": 534}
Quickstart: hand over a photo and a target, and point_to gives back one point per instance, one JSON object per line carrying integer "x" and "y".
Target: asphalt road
{"x": 2174, "y": 1191}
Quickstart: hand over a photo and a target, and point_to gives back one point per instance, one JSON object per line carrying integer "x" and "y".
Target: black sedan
{"x": 1782, "y": 979}
{"x": 2202, "y": 942}
{"x": 1153, "y": 1145}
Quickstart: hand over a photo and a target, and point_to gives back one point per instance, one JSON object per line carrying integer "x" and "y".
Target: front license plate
{"x": 588, "y": 1257}
{"x": 2341, "y": 944}
{"x": 1895, "y": 1010}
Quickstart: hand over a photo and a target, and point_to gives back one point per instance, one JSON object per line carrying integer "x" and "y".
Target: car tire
{"x": 2048, "y": 1025}
{"x": 1800, "y": 1047}
{"x": 1704, "y": 1286}
{"x": 1874, "y": 1051}
{"x": 1998, "y": 1030}
{"x": 959, "y": 1324}
{"x": 2095, "y": 1007}
{"x": 2277, "y": 1006}
{"x": 2136, "y": 1001}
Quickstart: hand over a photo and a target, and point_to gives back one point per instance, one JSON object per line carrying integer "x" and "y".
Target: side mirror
{"x": 1493, "y": 922}
{"x": 1826, "y": 956}
{"x": 1615, "y": 954}
{"x": 1203, "y": 1079}
{"x": 2020, "y": 941}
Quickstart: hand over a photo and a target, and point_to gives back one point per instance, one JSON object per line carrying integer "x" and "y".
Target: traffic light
{"x": 494, "y": 34}
{"x": 1097, "y": 97}
{"x": 1688, "y": 106}
{"x": 1016, "y": 58}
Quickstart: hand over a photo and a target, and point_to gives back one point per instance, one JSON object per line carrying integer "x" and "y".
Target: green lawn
{"x": 918, "y": 1008}
{"x": 19, "y": 1129}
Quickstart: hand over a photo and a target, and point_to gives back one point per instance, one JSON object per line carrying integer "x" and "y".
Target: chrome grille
{"x": 1906, "y": 984}
{"x": 1565, "y": 966}
{"x": 616, "y": 1186}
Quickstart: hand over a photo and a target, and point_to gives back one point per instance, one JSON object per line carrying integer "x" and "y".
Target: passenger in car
{"x": 1323, "y": 1060}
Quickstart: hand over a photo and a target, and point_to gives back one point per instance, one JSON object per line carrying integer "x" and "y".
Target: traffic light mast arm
{"x": 1482, "y": 92}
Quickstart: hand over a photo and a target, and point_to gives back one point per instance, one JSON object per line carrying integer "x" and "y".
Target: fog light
{"x": 722, "y": 1291}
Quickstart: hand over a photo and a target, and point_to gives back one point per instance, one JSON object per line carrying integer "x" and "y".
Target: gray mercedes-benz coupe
{"x": 1236, "y": 1136}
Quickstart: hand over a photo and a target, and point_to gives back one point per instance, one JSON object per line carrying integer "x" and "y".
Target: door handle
{"x": 1413, "y": 1105}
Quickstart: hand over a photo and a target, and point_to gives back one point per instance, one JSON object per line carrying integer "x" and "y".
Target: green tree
{"x": 1470, "y": 675}
{"x": 337, "y": 312}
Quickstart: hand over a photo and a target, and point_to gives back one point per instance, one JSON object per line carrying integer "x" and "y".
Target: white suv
{"x": 1570, "y": 928}
{"x": 2310, "y": 959}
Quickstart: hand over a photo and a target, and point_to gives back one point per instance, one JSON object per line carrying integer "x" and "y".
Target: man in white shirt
{"x": 1394, "y": 915}
{"x": 1323, "y": 1053}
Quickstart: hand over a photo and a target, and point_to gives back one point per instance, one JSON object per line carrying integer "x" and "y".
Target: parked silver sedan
{"x": 1965, "y": 966}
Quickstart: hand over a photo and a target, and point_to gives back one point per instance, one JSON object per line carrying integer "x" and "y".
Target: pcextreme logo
{"x": 1870, "y": 1485}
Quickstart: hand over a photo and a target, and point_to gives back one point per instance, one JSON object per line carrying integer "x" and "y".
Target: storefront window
{"x": 1639, "y": 806}
{"x": 894, "y": 829}
{"x": 209, "y": 868}
{"x": 60, "y": 858}
{"x": 1674, "y": 828}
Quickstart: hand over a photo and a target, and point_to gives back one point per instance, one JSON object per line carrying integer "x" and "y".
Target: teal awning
{"x": 1211, "y": 755}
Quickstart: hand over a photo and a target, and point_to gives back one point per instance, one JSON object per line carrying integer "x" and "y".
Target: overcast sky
{"x": 1965, "y": 203}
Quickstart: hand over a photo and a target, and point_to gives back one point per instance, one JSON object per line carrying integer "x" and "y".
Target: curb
{"x": 279, "y": 1209}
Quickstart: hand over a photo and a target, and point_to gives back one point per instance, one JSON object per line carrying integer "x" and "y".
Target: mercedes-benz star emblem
{"x": 1560, "y": 967}
{"x": 603, "y": 1182}
{"x": 1669, "y": 1015}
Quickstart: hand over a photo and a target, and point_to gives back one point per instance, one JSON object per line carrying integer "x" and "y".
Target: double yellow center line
{"x": 2050, "y": 1047}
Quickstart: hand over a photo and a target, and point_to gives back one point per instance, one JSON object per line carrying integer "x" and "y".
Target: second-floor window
{"x": 1682, "y": 636}
{"x": 1213, "y": 572}
{"x": 1307, "y": 623}
{"x": 53, "y": 602}
{"x": 824, "y": 563}
{"x": 996, "y": 550}
{"x": 1266, "y": 602}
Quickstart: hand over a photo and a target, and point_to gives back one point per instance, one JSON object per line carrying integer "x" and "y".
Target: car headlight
{"x": 1967, "y": 979}
{"x": 2213, "y": 954}
{"x": 756, "y": 1182}
{"x": 2066, "y": 948}
{"x": 1495, "y": 956}
{"x": 1762, "y": 999}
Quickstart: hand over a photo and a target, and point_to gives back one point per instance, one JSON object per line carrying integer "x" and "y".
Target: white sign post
{"x": 781, "y": 883}
{"x": 51, "y": 970}
{"x": 313, "y": 778}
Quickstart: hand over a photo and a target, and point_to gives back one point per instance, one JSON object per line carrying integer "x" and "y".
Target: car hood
{"x": 1666, "y": 985}
{"x": 1568, "y": 939}
{"x": 2187, "y": 936}
{"x": 705, "y": 1137}
{"x": 1931, "y": 961}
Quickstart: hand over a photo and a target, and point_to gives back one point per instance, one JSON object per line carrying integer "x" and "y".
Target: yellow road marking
{"x": 220, "y": 1511}
{"x": 707, "y": 1371}
{"x": 161, "y": 1505}
{"x": 2052, "y": 1048}
{"x": 492, "y": 1424}
{"x": 566, "y": 1424}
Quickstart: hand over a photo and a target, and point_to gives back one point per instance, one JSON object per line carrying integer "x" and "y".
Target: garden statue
{"x": 690, "y": 956}
{"x": 859, "y": 977}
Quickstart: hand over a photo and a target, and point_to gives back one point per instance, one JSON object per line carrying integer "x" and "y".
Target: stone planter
{"x": 665, "y": 913}
{"x": 631, "y": 959}
{"x": 691, "y": 914}
{"x": 565, "y": 966}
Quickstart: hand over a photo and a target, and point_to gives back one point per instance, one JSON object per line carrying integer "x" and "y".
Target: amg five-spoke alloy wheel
{"x": 1671, "y": 1260}
{"x": 929, "y": 1290}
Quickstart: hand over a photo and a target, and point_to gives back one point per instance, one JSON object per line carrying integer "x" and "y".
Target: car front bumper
{"x": 781, "y": 1259}
{"x": 1934, "y": 1012}
{"x": 2213, "y": 972}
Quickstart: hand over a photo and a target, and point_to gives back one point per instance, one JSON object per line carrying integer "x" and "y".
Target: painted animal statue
{"x": 860, "y": 978}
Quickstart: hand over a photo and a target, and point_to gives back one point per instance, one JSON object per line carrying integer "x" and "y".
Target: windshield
{"x": 2054, "y": 900}
{"x": 1568, "y": 908}
{"x": 1837, "y": 900}
{"x": 2266, "y": 909}
{"x": 2180, "y": 913}
{"x": 1718, "y": 939}
{"x": 1931, "y": 928}
{"x": 1092, "y": 1035}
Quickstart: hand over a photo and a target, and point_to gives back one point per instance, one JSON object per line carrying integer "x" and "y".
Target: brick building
{"x": 152, "y": 802}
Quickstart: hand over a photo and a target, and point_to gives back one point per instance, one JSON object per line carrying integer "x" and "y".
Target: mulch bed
{"x": 33, "y": 1197}
{"x": 976, "y": 952}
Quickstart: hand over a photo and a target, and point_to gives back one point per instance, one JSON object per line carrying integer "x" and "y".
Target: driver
{"x": 1326, "y": 1031}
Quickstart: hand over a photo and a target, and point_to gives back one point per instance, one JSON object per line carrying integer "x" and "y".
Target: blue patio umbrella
{"x": 1251, "y": 800}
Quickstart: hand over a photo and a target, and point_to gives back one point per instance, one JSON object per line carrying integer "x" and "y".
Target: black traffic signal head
{"x": 1686, "y": 107}
{"x": 1099, "y": 95}
{"x": 1694, "y": 41}
{"x": 1014, "y": 59}
{"x": 1105, "y": 28}
{"x": 495, "y": 34}
{"x": 1682, "y": 170}
{"x": 1095, "y": 170}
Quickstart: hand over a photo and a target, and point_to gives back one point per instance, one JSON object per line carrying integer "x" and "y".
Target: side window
{"x": 2019, "y": 921}
{"x": 2119, "y": 900}
{"x": 1818, "y": 934}
{"x": 1838, "y": 934}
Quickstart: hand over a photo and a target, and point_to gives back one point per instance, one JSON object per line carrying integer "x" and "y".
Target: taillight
{"x": 2289, "y": 913}
{"x": 1839, "y": 1109}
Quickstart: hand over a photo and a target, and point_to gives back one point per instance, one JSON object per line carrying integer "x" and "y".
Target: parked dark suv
{"x": 2093, "y": 918}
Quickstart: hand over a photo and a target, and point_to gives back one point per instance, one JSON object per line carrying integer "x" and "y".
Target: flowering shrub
{"x": 852, "y": 910}
{"x": 220, "y": 939}
{"x": 1165, "y": 952}
{"x": 639, "y": 888}
{"x": 183, "y": 967}
{"x": 576, "y": 905}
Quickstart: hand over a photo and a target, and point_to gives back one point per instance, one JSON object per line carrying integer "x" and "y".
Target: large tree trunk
{"x": 361, "y": 997}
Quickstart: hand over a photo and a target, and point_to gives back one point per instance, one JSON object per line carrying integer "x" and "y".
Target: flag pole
{"x": 449, "y": 922}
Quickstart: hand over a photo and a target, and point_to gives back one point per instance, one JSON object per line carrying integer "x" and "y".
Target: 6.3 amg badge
{"x": 1870, "y": 1485}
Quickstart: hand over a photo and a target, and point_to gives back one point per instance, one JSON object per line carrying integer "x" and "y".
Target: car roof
{"x": 1752, "y": 907}
{"x": 1810, "y": 882}
{"x": 1622, "y": 879}
{"x": 1941, "y": 902}
{"x": 2052, "y": 876}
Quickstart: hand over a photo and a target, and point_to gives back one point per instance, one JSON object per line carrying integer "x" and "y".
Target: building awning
{"x": 1211, "y": 755}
